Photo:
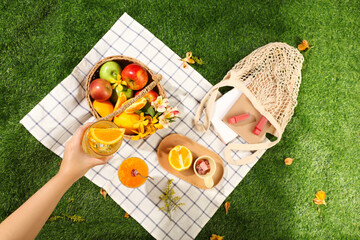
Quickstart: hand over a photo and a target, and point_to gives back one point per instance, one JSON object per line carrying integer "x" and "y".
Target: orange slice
{"x": 121, "y": 99}
{"x": 180, "y": 158}
{"x": 139, "y": 104}
{"x": 107, "y": 136}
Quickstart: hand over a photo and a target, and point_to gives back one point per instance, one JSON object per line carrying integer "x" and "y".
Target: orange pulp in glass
{"x": 125, "y": 169}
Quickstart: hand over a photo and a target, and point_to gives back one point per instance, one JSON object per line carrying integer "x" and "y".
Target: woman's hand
{"x": 76, "y": 162}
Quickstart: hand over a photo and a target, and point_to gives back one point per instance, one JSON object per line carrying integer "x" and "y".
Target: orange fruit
{"x": 107, "y": 136}
{"x": 127, "y": 121}
{"x": 104, "y": 108}
{"x": 121, "y": 99}
{"x": 139, "y": 104}
{"x": 125, "y": 169}
{"x": 180, "y": 158}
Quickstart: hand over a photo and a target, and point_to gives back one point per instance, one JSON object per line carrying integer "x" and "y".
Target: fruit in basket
{"x": 135, "y": 76}
{"x": 127, "y": 121}
{"x": 100, "y": 89}
{"x": 104, "y": 108}
{"x": 180, "y": 158}
{"x": 109, "y": 70}
{"x": 151, "y": 96}
{"x": 121, "y": 89}
{"x": 139, "y": 104}
{"x": 121, "y": 99}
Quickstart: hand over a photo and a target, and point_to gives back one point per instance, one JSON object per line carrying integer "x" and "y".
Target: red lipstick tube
{"x": 260, "y": 125}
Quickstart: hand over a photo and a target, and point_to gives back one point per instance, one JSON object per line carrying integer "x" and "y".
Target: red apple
{"x": 151, "y": 96}
{"x": 135, "y": 76}
{"x": 100, "y": 89}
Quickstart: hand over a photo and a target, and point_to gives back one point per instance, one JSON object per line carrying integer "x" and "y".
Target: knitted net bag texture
{"x": 270, "y": 78}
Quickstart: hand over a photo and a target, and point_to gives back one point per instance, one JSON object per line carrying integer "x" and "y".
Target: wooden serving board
{"x": 197, "y": 150}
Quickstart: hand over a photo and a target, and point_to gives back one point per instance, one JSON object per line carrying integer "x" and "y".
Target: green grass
{"x": 42, "y": 41}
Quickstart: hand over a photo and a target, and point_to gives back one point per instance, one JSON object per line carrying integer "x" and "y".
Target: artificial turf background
{"x": 42, "y": 41}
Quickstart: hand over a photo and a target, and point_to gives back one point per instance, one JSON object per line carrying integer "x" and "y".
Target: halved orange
{"x": 121, "y": 99}
{"x": 139, "y": 104}
{"x": 180, "y": 158}
{"x": 107, "y": 136}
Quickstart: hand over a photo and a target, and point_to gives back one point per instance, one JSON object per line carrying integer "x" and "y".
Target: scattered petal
{"x": 289, "y": 161}
{"x": 320, "y": 198}
{"x": 303, "y": 45}
{"x": 103, "y": 192}
{"x": 227, "y": 205}
{"x": 216, "y": 237}
{"x": 126, "y": 215}
{"x": 191, "y": 59}
{"x": 185, "y": 65}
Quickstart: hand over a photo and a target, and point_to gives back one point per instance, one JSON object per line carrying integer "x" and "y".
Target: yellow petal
{"x": 103, "y": 192}
{"x": 288, "y": 161}
{"x": 135, "y": 138}
{"x": 159, "y": 126}
{"x": 141, "y": 128}
{"x": 320, "y": 198}
{"x": 320, "y": 195}
{"x": 216, "y": 237}
{"x": 227, "y": 205}
{"x": 112, "y": 80}
{"x": 191, "y": 61}
{"x": 303, "y": 45}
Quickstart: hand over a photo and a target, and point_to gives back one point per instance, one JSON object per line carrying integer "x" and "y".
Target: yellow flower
{"x": 118, "y": 82}
{"x": 142, "y": 123}
{"x": 146, "y": 126}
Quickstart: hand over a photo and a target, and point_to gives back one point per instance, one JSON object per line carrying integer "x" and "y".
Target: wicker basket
{"x": 153, "y": 84}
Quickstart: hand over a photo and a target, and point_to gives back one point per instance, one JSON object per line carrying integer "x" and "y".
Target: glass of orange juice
{"x": 127, "y": 169}
{"x": 102, "y": 138}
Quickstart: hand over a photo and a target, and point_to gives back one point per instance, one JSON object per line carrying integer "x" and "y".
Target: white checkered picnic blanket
{"x": 64, "y": 109}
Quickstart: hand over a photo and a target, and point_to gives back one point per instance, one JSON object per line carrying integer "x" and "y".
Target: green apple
{"x": 110, "y": 70}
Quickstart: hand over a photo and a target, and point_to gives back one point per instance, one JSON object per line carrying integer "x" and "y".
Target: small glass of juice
{"x": 126, "y": 172}
{"x": 102, "y": 138}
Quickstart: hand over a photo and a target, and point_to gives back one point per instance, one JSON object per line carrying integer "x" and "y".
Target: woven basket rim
{"x": 119, "y": 58}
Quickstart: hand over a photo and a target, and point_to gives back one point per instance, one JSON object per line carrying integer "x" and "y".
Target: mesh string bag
{"x": 270, "y": 78}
